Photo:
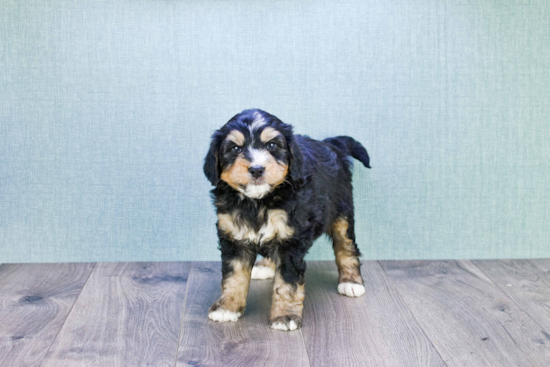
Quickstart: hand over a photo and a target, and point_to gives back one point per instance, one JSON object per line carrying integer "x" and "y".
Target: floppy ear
{"x": 296, "y": 161}
{"x": 211, "y": 166}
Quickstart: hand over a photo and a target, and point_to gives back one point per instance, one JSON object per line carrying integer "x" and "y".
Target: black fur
{"x": 317, "y": 191}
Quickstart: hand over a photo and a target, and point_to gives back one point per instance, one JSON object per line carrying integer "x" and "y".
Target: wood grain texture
{"x": 128, "y": 314}
{"x": 247, "y": 342}
{"x": 376, "y": 329}
{"x": 35, "y": 300}
{"x": 526, "y": 284}
{"x": 470, "y": 321}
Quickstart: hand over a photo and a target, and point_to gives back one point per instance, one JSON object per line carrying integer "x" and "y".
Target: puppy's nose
{"x": 256, "y": 171}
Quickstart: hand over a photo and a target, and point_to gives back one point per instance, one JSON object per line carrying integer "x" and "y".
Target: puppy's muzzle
{"x": 256, "y": 171}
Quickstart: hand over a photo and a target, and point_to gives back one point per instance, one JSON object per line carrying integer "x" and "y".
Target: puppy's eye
{"x": 271, "y": 146}
{"x": 237, "y": 149}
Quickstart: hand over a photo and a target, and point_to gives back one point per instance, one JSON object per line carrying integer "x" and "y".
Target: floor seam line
{"x": 68, "y": 313}
{"x": 191, "y": 263}
{"x": 305, "y": 347}
{"x": 412, "y": 313}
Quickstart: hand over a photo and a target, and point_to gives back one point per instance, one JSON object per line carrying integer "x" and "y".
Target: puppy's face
{"x": 251, "y": 153}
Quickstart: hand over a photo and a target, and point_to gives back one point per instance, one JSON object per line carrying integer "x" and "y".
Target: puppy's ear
{"x": 211, "y": 165}
{"x": 296, "y": 161}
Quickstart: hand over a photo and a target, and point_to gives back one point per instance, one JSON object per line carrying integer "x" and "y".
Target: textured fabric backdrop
{"x": 106, "y": 108}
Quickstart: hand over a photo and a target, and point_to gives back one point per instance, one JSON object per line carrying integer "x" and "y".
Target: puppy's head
{"x": 253, "y": 153}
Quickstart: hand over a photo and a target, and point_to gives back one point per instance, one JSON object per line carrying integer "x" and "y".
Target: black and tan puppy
{"x": 275, "y": 193}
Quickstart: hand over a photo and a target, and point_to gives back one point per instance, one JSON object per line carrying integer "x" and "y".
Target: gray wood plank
{"x": 470, "y": 321}
{"x": 128, "y": 314}
{"x": 35, "y": 300}
{"x": 542, "y": 264}
{"x": 376, "y": 329}
{"x": 247, "y": 342}
{"x": 526, "y": 284}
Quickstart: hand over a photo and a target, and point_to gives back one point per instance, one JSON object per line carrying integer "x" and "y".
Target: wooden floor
{"x": 414, "y": 313}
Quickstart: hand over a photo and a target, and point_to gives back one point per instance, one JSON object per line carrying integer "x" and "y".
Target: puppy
{"x": 276, "y": 192}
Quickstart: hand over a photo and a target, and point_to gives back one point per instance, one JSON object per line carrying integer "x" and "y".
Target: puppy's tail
{"x": 350, "y": 147}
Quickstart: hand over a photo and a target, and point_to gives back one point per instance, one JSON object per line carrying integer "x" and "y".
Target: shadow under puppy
{"x": 276, "y": 192}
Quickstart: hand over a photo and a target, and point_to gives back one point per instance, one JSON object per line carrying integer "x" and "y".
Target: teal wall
{"x": 106, "y": 108}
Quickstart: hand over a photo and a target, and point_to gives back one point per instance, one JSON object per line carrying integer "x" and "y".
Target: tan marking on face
{"x": 236, "y": 137}
{"x": 344, "y": 250}
{"x": 237, "y": 174}
{"x": 234, "y": 288}
{"x": 275, "y": 172}
{"x": 288, "y": 300}
{"x": 275, "y": 227}
{"x": 268, "y": 134}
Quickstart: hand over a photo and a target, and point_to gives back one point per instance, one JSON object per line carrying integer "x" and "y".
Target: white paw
{"x": 222, "y": 315}
{"x": 284, "y": 327}
{"x": 262, "y": 272}
{"x": 351, "y": 289}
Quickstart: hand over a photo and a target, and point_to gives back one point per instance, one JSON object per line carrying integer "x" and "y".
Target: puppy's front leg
{"x": 288, "y": 293}
{"x": 236, "y": 267}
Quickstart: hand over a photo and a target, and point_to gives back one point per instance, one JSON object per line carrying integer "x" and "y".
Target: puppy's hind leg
{"x": 263, "y": 269}
{"x": 350, "y": 282}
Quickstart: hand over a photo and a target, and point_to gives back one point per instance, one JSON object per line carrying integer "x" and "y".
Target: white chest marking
{"x": 275, "y": 227}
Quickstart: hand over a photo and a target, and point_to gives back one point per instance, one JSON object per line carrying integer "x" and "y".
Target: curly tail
{"x": 350, "y": 147}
